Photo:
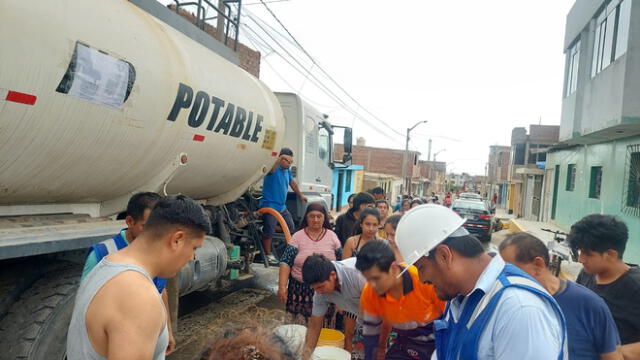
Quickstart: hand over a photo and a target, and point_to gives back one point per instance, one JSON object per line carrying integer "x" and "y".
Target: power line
{"x": 269, "y": 2}
{"x": 251, "y": 40}
{"x": 326, "y": 73}
{"x": 307, "y": 74}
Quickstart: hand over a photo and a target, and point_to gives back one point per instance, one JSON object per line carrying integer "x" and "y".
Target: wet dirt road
{"x": 207, "y": 312}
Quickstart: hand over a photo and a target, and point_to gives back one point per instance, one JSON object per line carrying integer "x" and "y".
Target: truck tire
{"x": 35, "y": 327}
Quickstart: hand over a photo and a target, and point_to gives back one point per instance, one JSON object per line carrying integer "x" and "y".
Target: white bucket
{"x": 293, "y": 336}
{"x": 330, "y": 353}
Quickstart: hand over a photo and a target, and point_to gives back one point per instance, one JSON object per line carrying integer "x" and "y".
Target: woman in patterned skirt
{"x": 314, "y": 237}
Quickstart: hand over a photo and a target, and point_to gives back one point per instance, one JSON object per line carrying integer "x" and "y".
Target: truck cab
{"x": 311, "y": 137}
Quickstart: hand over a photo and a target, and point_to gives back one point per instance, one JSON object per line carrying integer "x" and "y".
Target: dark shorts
{"x": 269, "y": 223}
{"x": 407, "y": 347}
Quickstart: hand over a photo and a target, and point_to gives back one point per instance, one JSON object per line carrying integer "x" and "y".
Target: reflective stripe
{"x": 111, "y": 246}
{"x": 527, "y": 282}
{"x": 497, "y": 286}
{"x": 371, "y": 324}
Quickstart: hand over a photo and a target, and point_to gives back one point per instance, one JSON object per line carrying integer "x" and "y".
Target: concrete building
{"x": 498, "y": 172}
{"x": 433, "y": 175}
{"x": 596, "y": 166}
{"x": 526, "y": 170}
{"x": 457, "y": 182}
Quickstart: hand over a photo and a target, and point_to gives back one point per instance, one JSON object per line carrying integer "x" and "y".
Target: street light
{"x": 407, "y": 183}
{"x": 436, "y": 154}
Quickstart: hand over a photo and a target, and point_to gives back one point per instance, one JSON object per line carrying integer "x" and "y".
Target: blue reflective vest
{"x": 114, "y": 244}
{"x": 459, "y": 340}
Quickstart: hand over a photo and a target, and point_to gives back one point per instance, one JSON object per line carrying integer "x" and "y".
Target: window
{"x": 611, "y": 34}
{"x": 596, "y": 182}
{"x": 518, "y": 158}
{"x": 348, "y": 181}
{"x": 631, "y": 197}
{"x": 572, "y": 70}
{"x": 571, "y": 177}
{"x": 324, "y": 144}
{"x": 624, "y": 18}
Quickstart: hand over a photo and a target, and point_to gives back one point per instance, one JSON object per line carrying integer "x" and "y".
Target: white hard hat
{"x": 423, "y": 228}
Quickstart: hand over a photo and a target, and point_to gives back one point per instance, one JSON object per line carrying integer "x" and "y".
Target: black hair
{"x": 382, "y": 201}
{"x": 528, "y": 247}
{"x": 140, "y": 202}
{"x": 466, "y": 245}
{"x": 376, "y": 252}
{"x": 362, "y": 198}
{"x": 316, "y": 207}
{"x": 317, "y": 268}
{"x": 286, "y": 151}
{"x": 351, "y": 197}
{"x": 417, "y": 201}
{"x": 177, "y": 210}
{"x": 377, "y": 190}
{"x": 405, "y": 200}
{"x": 357, "y": 229}
{"x": 393, "y": 220}
{"x": 599, "y": 233}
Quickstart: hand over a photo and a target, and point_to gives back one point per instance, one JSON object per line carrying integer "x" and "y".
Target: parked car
{"x": 470, "y": 196}
{"x": 479, "y": 218}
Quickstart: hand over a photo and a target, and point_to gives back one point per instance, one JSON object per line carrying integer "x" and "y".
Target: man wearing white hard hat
{"x": 494, "y": 310}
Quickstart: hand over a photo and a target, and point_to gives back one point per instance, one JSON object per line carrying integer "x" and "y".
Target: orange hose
{"x": 280, "y": 219}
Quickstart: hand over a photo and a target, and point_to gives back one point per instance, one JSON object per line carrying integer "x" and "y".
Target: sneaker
{"x": 272, "y": 260}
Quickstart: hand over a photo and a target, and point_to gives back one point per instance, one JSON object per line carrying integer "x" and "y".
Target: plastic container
{"x": 330, "y": 353}
{"x": 293, "y": 336}
{"x": 330, "y": 337}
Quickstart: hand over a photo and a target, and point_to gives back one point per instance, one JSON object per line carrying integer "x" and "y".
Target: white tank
{"x": 99, "y": 99}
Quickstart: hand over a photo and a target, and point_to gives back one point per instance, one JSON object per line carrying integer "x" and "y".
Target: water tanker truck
{"x": 103, "y": 99}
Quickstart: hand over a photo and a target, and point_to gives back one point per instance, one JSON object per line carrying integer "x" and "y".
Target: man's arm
{"x": 371, "y": 326}
{"x": 314, "y": 326}
{"x": 631, "y": 351}
{"x": 283, "y": 281}
{"x": 296, "y": 189}
{"x": 275, "y": 164}
{"x": 615, "y": 355}
{"x": 133, "y": 327}
{"x": 172, "y": 341}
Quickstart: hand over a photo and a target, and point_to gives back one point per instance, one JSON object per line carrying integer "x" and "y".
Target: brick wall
{"x": 381, "y": 160}
{"x": 544, "y": 134}
{"x": 498, "y": 163}
{"x": 249, "y": 58}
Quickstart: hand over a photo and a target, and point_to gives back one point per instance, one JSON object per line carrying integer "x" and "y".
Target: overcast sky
{"x": 473, "y": 69}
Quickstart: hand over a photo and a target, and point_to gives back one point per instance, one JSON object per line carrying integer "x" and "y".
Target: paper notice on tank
{"x": 99, "y": 78}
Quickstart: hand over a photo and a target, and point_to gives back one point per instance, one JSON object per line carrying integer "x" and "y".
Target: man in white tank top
{"x": 118, "y": 312}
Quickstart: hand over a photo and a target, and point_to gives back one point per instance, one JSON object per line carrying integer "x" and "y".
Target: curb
{"x": 514, "y": 226}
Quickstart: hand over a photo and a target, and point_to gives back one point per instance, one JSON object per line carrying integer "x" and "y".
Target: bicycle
{"x": 559, "y": 250}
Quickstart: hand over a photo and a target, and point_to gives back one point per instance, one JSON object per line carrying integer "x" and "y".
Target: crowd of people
{"x": 413, "y": 284}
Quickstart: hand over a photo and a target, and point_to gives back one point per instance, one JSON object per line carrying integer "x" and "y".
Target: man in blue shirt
{"x": 591, "y": 330}
{"x": 494, "y": 310}
{"x": 274, "y": 195}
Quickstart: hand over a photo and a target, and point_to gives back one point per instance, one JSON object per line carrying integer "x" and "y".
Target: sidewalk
{"x": 535, "y": 228}
{"x": 570, "y": 269}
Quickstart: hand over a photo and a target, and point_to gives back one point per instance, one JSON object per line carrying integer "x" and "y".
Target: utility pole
{"x": 436, "y": 154}
{"x": 429, "y": 156}
{"x": 407, "y": 183}
{"x": 220, "y": 23}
